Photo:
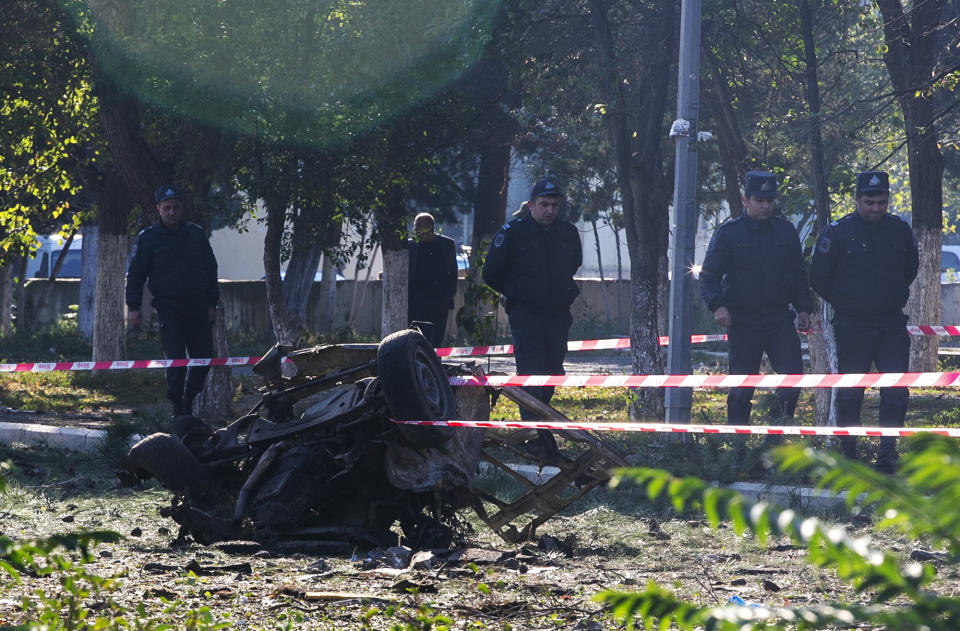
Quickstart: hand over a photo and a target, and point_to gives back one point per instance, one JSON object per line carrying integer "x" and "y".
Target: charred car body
{"x": 319, "y": 457}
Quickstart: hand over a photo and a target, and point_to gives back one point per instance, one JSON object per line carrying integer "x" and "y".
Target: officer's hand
{"x": 722, "y": 317}
{"x": 803, "y": 321}
{"x": 133, "y": 317}
{"x": 212, "y": 314}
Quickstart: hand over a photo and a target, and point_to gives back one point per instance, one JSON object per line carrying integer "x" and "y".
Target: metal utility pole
{"x": 678, "y": 400}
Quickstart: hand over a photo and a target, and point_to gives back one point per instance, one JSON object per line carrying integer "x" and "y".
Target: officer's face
{"x": 544, "y": 210}
{"x": 873, "y": 207}
{"x": 170, "y": 211}
{"x": 758, "y": 208}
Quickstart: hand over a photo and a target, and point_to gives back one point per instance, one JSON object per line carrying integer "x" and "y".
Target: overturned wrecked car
{"x": 319, "y": 457}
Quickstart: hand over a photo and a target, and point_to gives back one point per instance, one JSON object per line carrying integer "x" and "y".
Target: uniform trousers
{"x": 539, "y": 347}
{"x": 747, "y": 341}
{"x": 180, "y": 336}
{"x": 883, "y": 343}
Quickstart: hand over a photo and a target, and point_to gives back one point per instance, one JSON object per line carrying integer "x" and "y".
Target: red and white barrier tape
{"x": 624, "y": 342}
{"x": 456, "y": 351}
{"x": 127, "y": 365}
{"x": 853, "y": 380}
{"x": 576, "y": 345}
{"x": 776, "y": 430}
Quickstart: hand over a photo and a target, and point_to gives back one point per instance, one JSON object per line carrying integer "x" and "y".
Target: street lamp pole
{"x": 684, "y": 129}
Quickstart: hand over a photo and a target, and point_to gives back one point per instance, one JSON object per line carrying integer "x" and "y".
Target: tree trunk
{"x": 393, "y": 314}
{"x": 298, "y": 282}
{"x": 6, "y": 298}
{"x": 491, "y": 207}
{"x": 113, "y": 246}
{"x": 644, "y": 189}
{"x": 20, "y": 293}
{"x": 603, "y": 285}
{"x": 108, "y": 327}
{"x": 396, "y": 262}
{"x": 272, "y": 240}
{"x": 88, "y": 281}
{"x": 910, "y": 58}
{"x": 328, "y": 294}
{"x": 215, "y": 401}
{"x": 821, "y": 343}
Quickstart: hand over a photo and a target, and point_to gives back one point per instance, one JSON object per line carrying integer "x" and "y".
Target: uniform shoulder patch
{"x": 498, "y": 240}
{"x": 823, "y": 245}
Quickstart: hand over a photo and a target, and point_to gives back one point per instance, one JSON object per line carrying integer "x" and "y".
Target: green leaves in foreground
{"x": 921, "y": 501}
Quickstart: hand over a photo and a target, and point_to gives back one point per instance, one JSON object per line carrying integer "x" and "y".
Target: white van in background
{"x": 39, "y": 265}
{"x": 949, "y": 264}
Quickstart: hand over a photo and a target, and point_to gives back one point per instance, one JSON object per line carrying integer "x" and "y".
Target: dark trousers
{"x": 435, "y": 314}
{"x": 539, "y": 346}
{"x": 747, "y": 341}
{"x": 886, "y": 345}
{"x": 182, "y": 337}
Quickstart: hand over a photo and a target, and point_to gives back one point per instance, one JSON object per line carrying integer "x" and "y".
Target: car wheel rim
{"x": 428, "y": 382}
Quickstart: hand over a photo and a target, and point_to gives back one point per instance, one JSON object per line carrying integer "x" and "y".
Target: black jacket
{"x": 178, "y": 265}
{"x": 534, "y": 267}
{"x": 433, "y": 272}
{"x": 865, "y": 269}
{"x": 755, "y": 269}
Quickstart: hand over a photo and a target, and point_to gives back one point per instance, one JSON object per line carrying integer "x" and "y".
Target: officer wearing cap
{"x": 863, "y": 265}
{"x": 175, "y": 258}
{"x": 752, "y": 275}
{"x": 531, "y": 261}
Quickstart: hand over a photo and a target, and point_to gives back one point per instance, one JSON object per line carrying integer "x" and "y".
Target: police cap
{"x": 760, "y": 184}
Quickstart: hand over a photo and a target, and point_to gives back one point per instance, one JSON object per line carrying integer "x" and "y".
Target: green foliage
{"x": 919, "y": 501}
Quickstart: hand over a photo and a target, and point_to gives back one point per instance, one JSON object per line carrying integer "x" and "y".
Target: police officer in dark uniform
{"x": 531, "y": 262}
{"x": 863, "y": 266}
{"x": 175, "y": 258}
{"x": 752, "y": 274}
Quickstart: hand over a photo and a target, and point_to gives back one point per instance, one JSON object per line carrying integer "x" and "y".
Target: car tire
{"x": 415, "y": 386}
{"x": 166, "y": 458}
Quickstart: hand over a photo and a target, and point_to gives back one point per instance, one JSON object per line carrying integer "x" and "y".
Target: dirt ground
{"x": 612, "y": 539}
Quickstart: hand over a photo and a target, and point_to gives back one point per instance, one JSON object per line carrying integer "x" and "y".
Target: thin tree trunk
{"x": 6, "y": 298}
{"x": 328, "y": 294}
{"x": 616, "y": 240}
{"x": 393, "y": 314}
{"x": 215, "y": 401}
{"x": 113, "y": 246}
{"x": 603, "y": 285}
{"x": 88, "y": 281}
{"x": 644, "y": 190}
{"x": 396, "y": 262}
{"x": 910, "y": 57}
{"x": 298, "y": 282}
{"x": 20, "y": 293}
{"x": 821, "y": 342}
{"x": 108, "y": 327}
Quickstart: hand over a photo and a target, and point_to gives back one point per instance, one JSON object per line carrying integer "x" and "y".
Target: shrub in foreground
{"x": 920, "y": 501}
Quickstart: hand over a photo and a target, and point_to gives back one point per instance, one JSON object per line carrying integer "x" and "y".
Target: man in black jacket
{"x": 531, "y": 261}
{"x": 433, "y": 277}
{"x": 752, "y": 274}
{"x": 175, "y": 258}
{"x": 863, "y": 266}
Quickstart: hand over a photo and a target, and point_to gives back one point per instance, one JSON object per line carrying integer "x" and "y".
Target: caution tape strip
{"x": 624, "y": 342}
{"x": 852, "y": 380}
{"x": 127, "y": 364}
{"x": 456, "y": 351}
{"x": 776, "y": 430}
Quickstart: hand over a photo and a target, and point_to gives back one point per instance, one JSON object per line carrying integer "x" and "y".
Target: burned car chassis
{"x": 318, "y": 457}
